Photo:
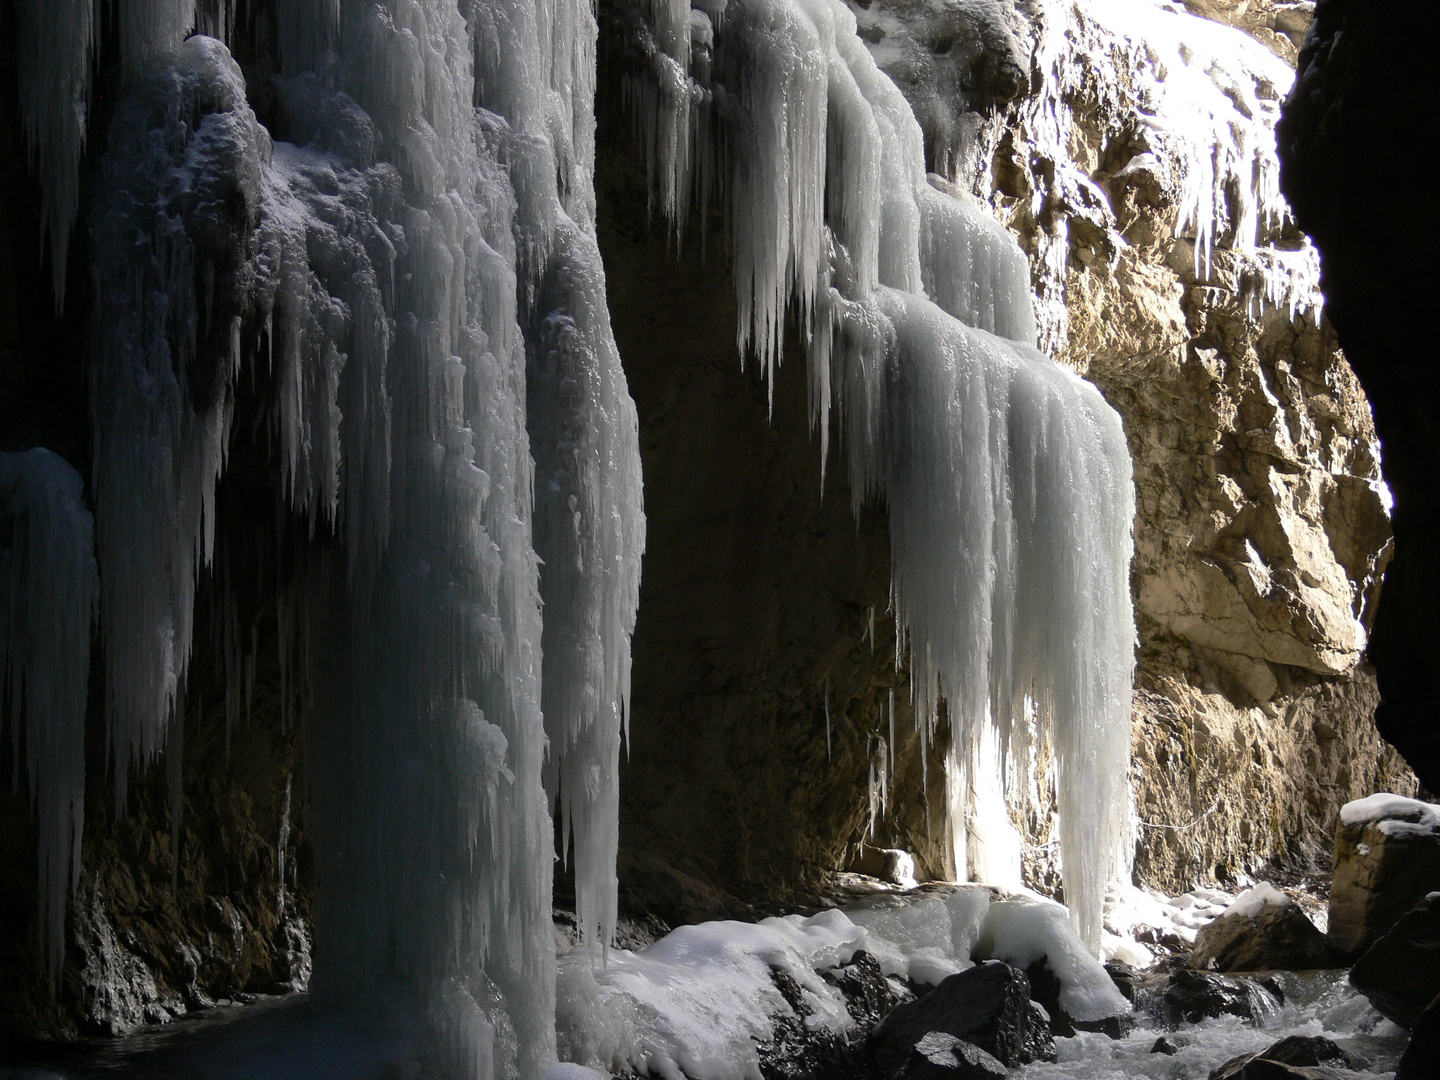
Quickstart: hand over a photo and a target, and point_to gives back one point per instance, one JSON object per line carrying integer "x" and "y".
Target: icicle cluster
{"x": 47, "y": 603}
{"x": 1208, "y": 97}
{"x": 420, "y": 272}
{"x": 1007, "y": 478}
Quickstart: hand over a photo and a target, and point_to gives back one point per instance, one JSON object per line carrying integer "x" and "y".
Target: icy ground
{"x": 696, "y": 1002}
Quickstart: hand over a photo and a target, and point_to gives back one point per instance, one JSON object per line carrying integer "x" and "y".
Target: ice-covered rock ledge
{"x": 710, "y": 1001}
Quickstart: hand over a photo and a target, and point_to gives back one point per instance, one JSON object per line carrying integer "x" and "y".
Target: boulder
{"x": 1168, "y": 1045}
{"x": 1263, "y": 930}
{"x": 1420, "y": 1057}
{"x": 1400, "y": 973}
{"x": 1297, "y": 1052}
{"x": 1387, "y": 857}
{"x": 1193, "y": 996}
{"x": 938, "y": 1056}
{"x": 988, "y": 1005}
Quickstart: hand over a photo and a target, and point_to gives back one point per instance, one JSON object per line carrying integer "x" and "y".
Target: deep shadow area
{"x": 756, "y": 602}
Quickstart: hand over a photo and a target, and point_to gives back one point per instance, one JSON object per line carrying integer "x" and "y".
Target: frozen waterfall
{"x": 412, "y": 283}
{"x": 1007, "y": 477}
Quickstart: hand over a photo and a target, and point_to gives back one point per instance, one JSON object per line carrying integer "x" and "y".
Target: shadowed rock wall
{"x": 1353, "y": 139}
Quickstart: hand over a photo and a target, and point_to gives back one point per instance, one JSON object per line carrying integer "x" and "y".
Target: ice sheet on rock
{"x": 48, "y": 592}
{"x": 178, "y": 192}
{"x": 399, "y": 262}
{"x": 1129, "y": 909}
{"x": 698, "y": 1001}
{"x": 1023, "y": 930}
{"x": 1207, "y": 97}
{"x": 923, "y": 939}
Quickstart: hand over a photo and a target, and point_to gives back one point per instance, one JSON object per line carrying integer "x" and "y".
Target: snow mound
{"x": 1252, "y": 902}
{"x": 1022, "y": 930}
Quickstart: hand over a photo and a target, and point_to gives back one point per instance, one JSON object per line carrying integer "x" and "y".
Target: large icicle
{"x": 52, "y": 58}
{"x": 1007, "y": 478}
{"x": 48, "y": 589}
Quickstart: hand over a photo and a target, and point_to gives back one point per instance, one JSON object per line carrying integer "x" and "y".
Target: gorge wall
{"x": 764, "y": 654}
{"x": 1361, "y": 97}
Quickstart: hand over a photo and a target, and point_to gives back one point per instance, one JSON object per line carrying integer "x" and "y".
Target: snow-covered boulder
{"x": 1263, "y": 930}
{"x": 1387, "y": 858}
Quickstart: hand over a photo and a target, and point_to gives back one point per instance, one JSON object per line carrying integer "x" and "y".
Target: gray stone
{"x": 1193, "y": 996}
{"x": 988, "y": 1005}
{"x": 1400, "y": 973}
{"x": 1299, "y": 1053}
{"x": 938, "y": 1056}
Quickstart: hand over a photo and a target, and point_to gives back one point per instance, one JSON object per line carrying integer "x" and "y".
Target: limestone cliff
{"x": 1262, "y": 529}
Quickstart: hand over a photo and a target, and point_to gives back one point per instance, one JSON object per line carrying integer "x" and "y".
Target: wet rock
{"x": 1278, "y": 937}
{"x": 1385, "y": 862}
{"x": 1297, "y": 1052}
{"x": 1169, "y": 1045}
{"x": 1045, "y": 989}
{"x": 1418, "y": 1061}
{"x": 1193, "y": 996}
{"x": 938, "y": 1056}
{"x": 1124, "y": 977}
{"x": 1400, "y": 973}
{"x": 868, "y": 996}
{"x": 988, "y": 1005}
{"x": 797, "y": 1051}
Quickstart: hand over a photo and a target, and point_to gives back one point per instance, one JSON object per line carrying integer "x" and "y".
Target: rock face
{"x": 1364, "y": 95}
{"x": 1400, "y": 973}
{"x": 1387, "y": 858}
{"x": 988, "y": 1006}
{"x": 1261, "y": 530}
{"x": 1277, "y": 937}
{"x": 1418, "y": 1061}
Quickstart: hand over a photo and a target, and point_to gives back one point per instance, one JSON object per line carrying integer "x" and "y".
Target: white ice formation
{"x": 1007, "y": 479}
{"x": 414, "y": 287}
{"x": 47, "y": 604}
{"x": 416, "y": 284}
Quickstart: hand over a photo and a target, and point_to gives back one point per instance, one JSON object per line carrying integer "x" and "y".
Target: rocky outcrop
{"x": 1192, "y": 996}
{"x": 1364, "y": 95}
{"x": 1298, "y": 1051}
